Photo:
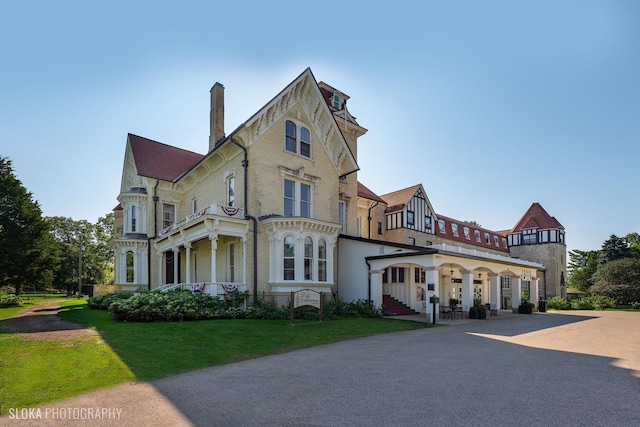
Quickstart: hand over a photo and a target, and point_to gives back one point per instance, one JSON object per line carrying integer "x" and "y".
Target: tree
{"x": 82, "y": 240}
{"x": 474, "y": 223}
{"x": 585, "y": 265}
{"x": 28, "y": 254}
{"x": 614, "y": 248}
{"x": 633, "y": 241}
{"x": 619, "y": 279}
{"x": 577, "y": 260}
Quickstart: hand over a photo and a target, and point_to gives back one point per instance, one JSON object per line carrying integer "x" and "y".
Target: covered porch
{"x": 205, "y": 252}
{"x": 460, "y": 278}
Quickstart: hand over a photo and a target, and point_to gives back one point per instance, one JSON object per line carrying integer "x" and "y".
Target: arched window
{"x": 289, "y": 272}
{"x": 297, "y": 139}
{"x": 130, "y": 269}
{"x": 308, "y": 258}
{"x": 322, "y": 260}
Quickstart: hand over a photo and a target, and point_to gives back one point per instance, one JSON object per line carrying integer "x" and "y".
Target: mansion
{"x": 275, "y": 206}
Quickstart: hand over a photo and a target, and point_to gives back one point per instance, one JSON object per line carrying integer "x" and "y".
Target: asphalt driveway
{"x": 570, "y": 369}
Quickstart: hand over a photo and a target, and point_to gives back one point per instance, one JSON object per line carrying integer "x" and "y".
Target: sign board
{"x": 434, "y": 300}
{"x": 306, "y": 297}
{"x": 431, "y": 286}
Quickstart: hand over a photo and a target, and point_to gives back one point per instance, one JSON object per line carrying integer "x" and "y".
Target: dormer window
{"x": 335, "y": 101}
{"x": 477, "y": 234}
{"x": 441, "y": 226}
{"x": 297, "y": 139}
{"x": 466, "y": 233}
{"x": 454, "y": 229}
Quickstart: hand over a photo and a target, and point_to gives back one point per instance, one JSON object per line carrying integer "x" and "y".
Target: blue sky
{"x": 491, "y": 105}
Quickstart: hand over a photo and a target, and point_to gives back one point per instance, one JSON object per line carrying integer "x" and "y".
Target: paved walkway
{"x": 569, "y": 369}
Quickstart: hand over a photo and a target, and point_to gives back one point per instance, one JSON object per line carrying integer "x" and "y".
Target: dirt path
{"x": 41, "y": 321}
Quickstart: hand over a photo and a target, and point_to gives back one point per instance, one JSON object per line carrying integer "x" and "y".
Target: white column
{"x": 494, "y": 290}
{"x": 533, "y": 291}
{"x": 160, "y": 266}
{"x": 214, "y": 248}
{"x": 516, "y": 292}
{"x": 330, "y": 262}
{"x": 467, "y": 288}
{"x": 376, "y": 287}
{"x": 176, "y": 260}
{"x": 187, "y": 261}
{"x": 244, "y": 259}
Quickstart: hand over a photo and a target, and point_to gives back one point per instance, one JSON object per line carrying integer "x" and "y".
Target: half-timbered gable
{"x": 409, "y": 208}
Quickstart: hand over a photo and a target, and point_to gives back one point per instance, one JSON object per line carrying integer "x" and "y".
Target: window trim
{"x": 297, "y": 204}
{"x": 294, "y": 139}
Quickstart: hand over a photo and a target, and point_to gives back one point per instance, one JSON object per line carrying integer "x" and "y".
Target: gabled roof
{"x": 161, "y": 161}
{"x": 336, "y": 145}
{"x": 365, "y": 193}
{"x": 397, "y": 200}
{"x": 536, "y": 217}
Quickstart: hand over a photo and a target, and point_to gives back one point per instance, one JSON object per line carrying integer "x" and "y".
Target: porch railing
{"x": 213, "y": 209}
{"x": 210, "y": 288}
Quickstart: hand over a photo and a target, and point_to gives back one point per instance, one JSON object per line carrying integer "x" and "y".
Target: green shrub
{"x": 102, "y": 302}
{"x": 9, "y": 300}
{"x": 169, "y": 306}
{"x": 558, "y": 303}
{"x": 593, "y": 302}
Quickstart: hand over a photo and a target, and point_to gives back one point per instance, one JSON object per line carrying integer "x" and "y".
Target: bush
{"x": 102, "y": 302}
{"x": 179, "y": 304}
{"x": 171, "y": 306}
{"x": 593, "y": 302}
{"x": 9, "y": 300}
{"x": 558, "y": 303}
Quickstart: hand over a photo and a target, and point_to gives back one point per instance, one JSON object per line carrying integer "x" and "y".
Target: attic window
{"x": 477, "y": 233}
{"x": 454, "y": 229}
{"x": 297, "y": 139}
{"x": 441, "y": 226}
{"x": 466, "y": 233}
{"x": 335, "y": 101}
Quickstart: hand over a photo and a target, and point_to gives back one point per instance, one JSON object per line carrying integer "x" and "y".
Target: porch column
{"x": 160, "y": 267}
{"x": 376, "y": 287}
{"x": 432, "y": 276}
{"x": 494, "y": 290}
{"x": 187, "y": 246}
{"x": 516, "y": 293}
{"x": 244, "y": 259}
{"x": 176, "y": 260}
{"x": 467, "y": 288}
{"x": 331, "y": 245}
{"x": 214, "y": 248}
{"x": 533, "y": 291}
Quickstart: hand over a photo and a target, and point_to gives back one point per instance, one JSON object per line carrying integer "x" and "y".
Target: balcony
{"x": 213, "y": 209}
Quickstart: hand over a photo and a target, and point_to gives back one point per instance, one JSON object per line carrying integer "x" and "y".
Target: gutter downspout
{"x": 369, "y": 219}
{"x": 245, "y": 165}
{"x": 369, "y": 281}
{"x": 155, "y": 232}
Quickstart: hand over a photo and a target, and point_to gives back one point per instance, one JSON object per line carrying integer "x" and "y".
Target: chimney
{"x": 216, "y": 118}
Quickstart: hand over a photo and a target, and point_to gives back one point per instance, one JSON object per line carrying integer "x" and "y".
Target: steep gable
{"x": 536, "y": 217}
{"x": 397, "y": 200}
{"x": 304, "y": 89}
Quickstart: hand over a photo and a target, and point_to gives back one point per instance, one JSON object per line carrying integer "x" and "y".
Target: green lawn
{"x": 33, "y": 372}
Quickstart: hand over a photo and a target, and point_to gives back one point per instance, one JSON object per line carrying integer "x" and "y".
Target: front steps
{"x": 393, "y": 307}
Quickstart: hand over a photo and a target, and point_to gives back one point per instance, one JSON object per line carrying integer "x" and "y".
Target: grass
{"x": 33, "y": 372}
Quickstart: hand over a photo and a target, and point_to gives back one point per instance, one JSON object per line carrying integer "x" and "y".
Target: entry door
{"x": 169, "y": 262}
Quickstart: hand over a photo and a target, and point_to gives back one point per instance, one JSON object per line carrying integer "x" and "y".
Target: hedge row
{"x": 179, "y": 305}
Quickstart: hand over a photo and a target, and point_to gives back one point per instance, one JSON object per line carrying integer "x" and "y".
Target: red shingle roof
{"x": 536, "y": 217}
{"x": 397, "y": 200}
{"x": 161, "y": 161}
{"x": 364, "y": 192}
{"x": 448, "y": 234}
